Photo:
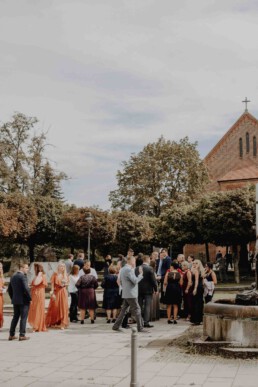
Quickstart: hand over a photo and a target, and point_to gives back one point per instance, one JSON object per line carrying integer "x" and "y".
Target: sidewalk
{"x": 94, "y": 355}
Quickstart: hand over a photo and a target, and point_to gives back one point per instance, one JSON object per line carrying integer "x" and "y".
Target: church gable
{"x": 236, "y": 151}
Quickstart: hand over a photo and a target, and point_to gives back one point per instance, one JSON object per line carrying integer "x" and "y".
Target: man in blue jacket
{"x": 162, "y": 266}
{"x": 19, "y": 293}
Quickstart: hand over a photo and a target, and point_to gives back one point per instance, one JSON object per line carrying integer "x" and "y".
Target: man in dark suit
{"x": 79, "y": 260}
{"x": 19, "y": 293}
{"x": 146, "y": 287}
{"x": 163, "y": 264}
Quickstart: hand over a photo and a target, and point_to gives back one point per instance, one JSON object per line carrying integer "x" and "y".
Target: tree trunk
{"x": 31, "y": 251}
{"x": 236, "y": 263}
{"x": 93, "y": 257}
{"x": 207, "y": 252}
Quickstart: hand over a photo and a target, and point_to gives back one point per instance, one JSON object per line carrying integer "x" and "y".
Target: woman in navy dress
{"x": 111, "y": 298}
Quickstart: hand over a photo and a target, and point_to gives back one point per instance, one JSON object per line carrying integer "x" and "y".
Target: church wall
{"x": 225, "y": 157}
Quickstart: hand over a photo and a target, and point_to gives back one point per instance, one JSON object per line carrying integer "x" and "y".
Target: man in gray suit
{"x": 129, "y": 283}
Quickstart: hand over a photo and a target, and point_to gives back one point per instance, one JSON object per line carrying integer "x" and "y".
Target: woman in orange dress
{"x": 2, "y": 288}
{"x": 36, "y": 317}
{"x": 57, "y": 314}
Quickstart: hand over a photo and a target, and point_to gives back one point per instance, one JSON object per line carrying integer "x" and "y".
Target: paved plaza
{"x": 87, "y": 355}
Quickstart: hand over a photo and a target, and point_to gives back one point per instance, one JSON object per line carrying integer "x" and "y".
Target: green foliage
{"x": 22, "y": 161}
{"x": 223, "y": 218}
{"x": 164, "y": 172}
{"x": 74, "y": 228}
{"x": 132, "y": 230}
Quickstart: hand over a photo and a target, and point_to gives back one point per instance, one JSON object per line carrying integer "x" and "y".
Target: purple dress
{"x": 86, "y": 285}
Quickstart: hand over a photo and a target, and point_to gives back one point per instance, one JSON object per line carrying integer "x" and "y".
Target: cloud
{"x": 107, "y": 77}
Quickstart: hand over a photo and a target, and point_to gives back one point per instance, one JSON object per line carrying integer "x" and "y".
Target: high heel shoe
{"x": 82, "y": 322}
{"x": 108, "y": 321}
{"x": 170, "y": 322}
{"x": 114, "y": 320}
{"x": 174, "y": 322}
{"x": 92, "y": 321}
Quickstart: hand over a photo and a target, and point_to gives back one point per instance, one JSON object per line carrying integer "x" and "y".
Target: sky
{"x": 106, "y": 77}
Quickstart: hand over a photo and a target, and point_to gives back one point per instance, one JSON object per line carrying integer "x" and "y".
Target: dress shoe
{"x": 23, "y": 338}
{"x": 117, "y": 329}
{"x": 12, "y": 338}
{"x": 148, "y": 326}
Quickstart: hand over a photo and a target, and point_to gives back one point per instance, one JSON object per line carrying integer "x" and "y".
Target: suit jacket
{"x": 149, "y": 283}
{"x": 129, "y": 282}
{"x": 18, "y": 289}
{"x": 165, "y": 266}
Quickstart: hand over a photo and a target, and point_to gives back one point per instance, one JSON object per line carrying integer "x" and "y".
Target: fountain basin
{"x": 225, "y": 321}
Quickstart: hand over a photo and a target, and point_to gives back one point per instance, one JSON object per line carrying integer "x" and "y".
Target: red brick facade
{"x": 229, "y": 166}
{"x": 232, "y": 163}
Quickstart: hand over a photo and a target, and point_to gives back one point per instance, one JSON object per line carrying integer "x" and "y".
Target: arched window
{"x": 247, "y": 142}
{"x": 254, "y": 146}
{"x": 240, "y": 147}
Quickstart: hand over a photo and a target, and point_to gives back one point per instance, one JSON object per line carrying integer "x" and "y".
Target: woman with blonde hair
{"x": 2, "y": 290}
{"x": 57, "y": 314}
{"x": 36, "y": 317}
{"x": 197, "y": 280}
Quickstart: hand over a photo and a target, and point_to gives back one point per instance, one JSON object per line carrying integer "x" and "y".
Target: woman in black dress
{"x": 173, "y": 294}
{"x": 197, "y": 280}
{"x": 87, "y": 284}
{"x": 111, "y": 298}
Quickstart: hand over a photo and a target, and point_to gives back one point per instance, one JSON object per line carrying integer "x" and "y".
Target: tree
{"x": 222, "y": 218}
{"x": 23, "y": 166}
{"x": 164, "y": 172}
{"x": 14, "y": 134}
{"x": 49, "y": 212}
{"x": 132, "y": 230}
{"x": 74, "y": 229}
{"x": 18, "y": 217}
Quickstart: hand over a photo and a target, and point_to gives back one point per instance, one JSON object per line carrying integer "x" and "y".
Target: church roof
{"x": 234, "y": 127}
{"x": 247, "y": 173}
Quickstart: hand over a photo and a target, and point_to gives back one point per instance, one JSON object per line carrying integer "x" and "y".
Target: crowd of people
{"x": 133, "y": 287}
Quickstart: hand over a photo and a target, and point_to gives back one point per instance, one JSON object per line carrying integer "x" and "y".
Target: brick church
{"x": 232, "y": 164}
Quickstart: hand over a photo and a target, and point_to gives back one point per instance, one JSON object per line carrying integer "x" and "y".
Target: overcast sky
{"x": 105, "y": 77}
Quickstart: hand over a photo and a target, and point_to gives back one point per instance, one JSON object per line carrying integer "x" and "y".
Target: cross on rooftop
{"x": 246, "y": 102}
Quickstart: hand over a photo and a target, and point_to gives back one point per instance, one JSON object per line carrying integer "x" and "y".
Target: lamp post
{"x": 89, "y": 221}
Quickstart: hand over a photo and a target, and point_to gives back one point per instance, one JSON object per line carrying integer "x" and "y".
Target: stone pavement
{"x": 94, "y": 355}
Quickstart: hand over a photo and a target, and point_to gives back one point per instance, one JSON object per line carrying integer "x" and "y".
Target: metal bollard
{"x": 134, "y": 382}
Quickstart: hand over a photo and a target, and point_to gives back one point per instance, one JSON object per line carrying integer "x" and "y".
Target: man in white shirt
{"x": 86, "y": 266}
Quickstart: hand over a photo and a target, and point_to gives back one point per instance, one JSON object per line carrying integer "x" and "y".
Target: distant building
{"x": 232, "y": 163}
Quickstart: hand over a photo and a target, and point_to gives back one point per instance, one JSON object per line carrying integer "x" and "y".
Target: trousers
{"x": 20, "y": 312}
{"x": 135, "y": 310}
{"x": 145, "y": 305}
